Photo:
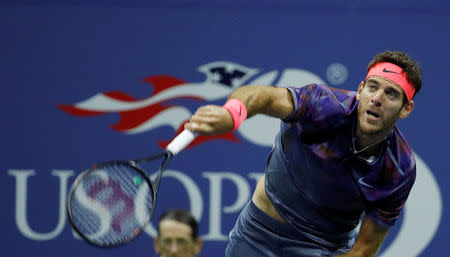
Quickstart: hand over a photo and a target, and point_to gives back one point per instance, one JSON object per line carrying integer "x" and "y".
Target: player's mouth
{"x": 372, "y": 115}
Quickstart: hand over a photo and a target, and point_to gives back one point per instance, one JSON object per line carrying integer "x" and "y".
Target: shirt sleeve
{"x": 304, "y": 100}
{"x": 321, "y": 106}
{"x": 387, "y": 210}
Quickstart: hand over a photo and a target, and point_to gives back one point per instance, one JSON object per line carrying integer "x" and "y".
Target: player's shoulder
{"x": 326, "y": 90}
{"x": 345, "y": 99}
{"x": 320, "y": 93}
{"x": 338, "y": 92}
{"x": 321, "y": 102}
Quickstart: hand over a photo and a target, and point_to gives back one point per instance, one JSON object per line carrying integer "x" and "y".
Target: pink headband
{"x": 395, "y": 74}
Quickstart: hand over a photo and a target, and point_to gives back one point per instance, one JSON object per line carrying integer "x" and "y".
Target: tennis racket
{"x": 111, "y": 203}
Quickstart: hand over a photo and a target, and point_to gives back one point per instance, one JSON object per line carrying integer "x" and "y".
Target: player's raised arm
{"x": 242, "y": 103}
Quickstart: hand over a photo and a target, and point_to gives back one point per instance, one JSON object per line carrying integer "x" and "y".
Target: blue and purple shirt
{"x": 317, "y": 181}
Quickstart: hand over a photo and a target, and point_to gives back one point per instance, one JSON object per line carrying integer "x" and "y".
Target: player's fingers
{"x": 201, "y": 128}
{"x": 208, "y": 110}
{"x": 210, "y": 119}
{"x": 210, "y": 114}
{"x": 209, "y": 125}
{"x": 191, "y": 126}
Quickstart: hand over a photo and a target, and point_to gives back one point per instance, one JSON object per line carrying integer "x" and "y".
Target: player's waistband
{"x": 281, "y": 228}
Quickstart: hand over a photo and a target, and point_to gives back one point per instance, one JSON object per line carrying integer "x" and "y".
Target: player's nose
{"x": 377, "y": 98}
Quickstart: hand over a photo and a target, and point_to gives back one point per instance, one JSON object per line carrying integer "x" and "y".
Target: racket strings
{"x": 111, "y": 204}
{"x": 139, "y": 209}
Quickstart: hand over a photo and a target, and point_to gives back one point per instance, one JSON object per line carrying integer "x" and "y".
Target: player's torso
{"x": 319, "y": 170}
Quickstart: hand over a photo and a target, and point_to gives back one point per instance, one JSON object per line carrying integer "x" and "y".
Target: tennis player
{"x": 338, "y": 162}
{"x": 177, "y": 235}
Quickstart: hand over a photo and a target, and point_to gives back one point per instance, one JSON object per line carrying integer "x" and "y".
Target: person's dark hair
{"x": 181, "y": 216}
{"x": 412, "y": 68}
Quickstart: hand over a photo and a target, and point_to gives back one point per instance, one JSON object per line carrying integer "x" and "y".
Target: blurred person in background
{"x": 177, "y": 235}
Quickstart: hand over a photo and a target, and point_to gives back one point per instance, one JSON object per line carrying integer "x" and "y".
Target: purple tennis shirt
{"x": 317, "y": 181}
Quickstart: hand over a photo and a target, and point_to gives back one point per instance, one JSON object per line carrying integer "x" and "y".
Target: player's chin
{"x": 370, "y": 128}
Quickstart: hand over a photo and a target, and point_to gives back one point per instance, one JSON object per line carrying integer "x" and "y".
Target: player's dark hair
{"x": 412, "y": 68}
{"x": 181, "y": 216}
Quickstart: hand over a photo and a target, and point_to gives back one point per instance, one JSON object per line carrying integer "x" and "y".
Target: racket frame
{"x": 135, "y": 164}
{"x": 175, "y": 146}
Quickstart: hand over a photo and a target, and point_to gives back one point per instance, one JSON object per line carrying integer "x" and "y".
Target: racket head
{"x": 111, "y": 203}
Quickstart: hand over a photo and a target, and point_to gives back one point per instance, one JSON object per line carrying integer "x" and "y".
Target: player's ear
{"x": 198, "y": 243}
{"x": 156, "y": 245}
{"x": 406, "y": 109}
{"x": 360, "y": 87}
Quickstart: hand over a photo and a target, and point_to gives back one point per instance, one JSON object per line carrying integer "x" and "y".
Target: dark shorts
{"x": 257, "y": 234}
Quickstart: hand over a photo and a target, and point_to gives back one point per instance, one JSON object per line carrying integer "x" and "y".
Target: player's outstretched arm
{"x": 213, "y": 119}
{"x": 273, "y": 101}
{"x": 370, "y": 238}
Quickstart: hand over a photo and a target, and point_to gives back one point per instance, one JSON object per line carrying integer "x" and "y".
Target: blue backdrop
{"x": 82, "y": 80}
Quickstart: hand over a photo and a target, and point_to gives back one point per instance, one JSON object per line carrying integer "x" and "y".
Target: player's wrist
{"x": 237, "y": 110}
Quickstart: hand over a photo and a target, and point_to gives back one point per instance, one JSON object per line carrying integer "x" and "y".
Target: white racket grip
{"x": 181, "y": 141}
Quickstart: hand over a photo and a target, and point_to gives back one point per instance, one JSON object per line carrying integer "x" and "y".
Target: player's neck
{"x": 368, "y": 145}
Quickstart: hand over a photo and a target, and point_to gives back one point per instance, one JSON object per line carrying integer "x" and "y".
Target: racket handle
{"x": 181, "y": 141}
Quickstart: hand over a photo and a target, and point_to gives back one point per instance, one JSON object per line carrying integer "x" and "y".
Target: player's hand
{"x": 210, "y": 120}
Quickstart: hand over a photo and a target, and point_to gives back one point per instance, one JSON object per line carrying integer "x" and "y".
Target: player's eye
{"x": 392, "y": 94}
